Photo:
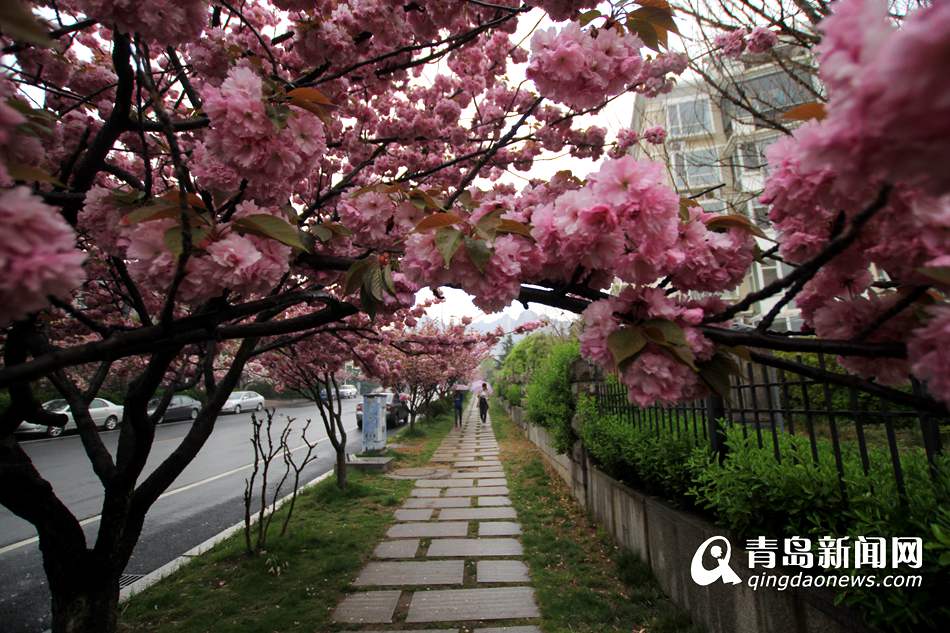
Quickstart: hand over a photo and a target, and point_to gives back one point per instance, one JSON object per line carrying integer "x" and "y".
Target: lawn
{"x": 584, "y": 583}
{"x": 298, "y": 582}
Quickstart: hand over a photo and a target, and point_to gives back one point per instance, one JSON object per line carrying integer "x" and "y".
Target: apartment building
{"x": 717, "y": 130}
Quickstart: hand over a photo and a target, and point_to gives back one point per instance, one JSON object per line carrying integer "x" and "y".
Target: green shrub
{"x": 752, "y": 494}
{"x": 512, "y": 393}
{"x": 549, "y": 400}
{"x": 661, "y": 464}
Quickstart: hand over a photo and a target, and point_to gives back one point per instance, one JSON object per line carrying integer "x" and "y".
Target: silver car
{"x": 348, "y": 391}
{"x": 104, "y": 413}
{"x": 240, "y": 401}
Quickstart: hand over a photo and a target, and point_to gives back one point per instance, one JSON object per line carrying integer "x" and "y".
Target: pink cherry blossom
{"x": 655, "y": 135}
{"x": 761, "y": 39}
{"x": 731, "y": 43}
{"x": 929, "y": 353}
{"x": 38, "y": 255}
{"x": 162, "y": 21}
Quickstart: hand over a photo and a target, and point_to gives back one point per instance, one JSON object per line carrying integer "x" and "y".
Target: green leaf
{"x": 368, "y": 302}
{"x": 321, "y": 232}
{"x": 273, "y": 227}
{"x": 664, "y": 332}
{"x": 734, "y": 221}
{"x": 651, "y": 38}
{"x": 174, "y": 239}
{"x": 478, "y": 252}
{"x": 19, "y": 23}
{"x": 626, "y": 344}
{"x": 156, "y": 210}
{"x": 487, "y": 225}
{"x": 373, "y": 281}
{"x": 388, "y": 281}
{"x": 658, "y": 17}
{"x": 514, "y": 227}
{"x": 354, "y": 276}
{"x": 587, "y": 17}
{"x": 28, "y": 173}
{"x": 448, "y": 241}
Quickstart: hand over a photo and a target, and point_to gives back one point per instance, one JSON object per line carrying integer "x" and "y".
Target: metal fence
{"x": 794, "y": 417}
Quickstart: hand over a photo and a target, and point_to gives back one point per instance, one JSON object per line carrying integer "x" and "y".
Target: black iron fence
{"x": 794, "y": 417}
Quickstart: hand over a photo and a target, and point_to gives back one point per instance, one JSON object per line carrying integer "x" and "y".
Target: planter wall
{"x": 666, "y": 538}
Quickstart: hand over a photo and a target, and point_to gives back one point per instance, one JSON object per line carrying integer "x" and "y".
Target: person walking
{"x": 459, "y": 400}
{"x": 483, "y": 392}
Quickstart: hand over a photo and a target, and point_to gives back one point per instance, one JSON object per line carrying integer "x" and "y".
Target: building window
{"x": 759, "y": 213}
{"x": 712, "y": 205}
{"x": 697, "y": 168}
{"x": 768, "y": 94}
{"x": 689, "y": 117}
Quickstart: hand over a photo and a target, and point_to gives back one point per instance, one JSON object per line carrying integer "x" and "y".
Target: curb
{"x": 173, "y": 565}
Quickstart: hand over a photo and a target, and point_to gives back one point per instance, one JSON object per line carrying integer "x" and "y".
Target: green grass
{"x": 584, "y": 583}
{"x": 298, "y": 581}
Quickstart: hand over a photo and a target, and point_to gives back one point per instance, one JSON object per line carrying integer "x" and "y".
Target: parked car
{"x": 348, "y": 391}
{"x": 104, "y": 413}
{"x": 240, "y": 401}
{"x": 396, "y": 411}
{"x": 179, "y": 408}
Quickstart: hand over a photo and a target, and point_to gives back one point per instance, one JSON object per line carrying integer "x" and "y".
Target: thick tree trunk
{"x": 341, "y": 466}
{"x": 92, "y": 607}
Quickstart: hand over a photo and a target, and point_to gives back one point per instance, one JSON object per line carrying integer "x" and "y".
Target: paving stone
{"x": 428, "y": 631}
{"x": 474, "y": 547}
{"x": 502, "y": 571}
{"x": 497, "y": 603}
{"x": 500, "y": 481}
{"x": 436, "y": 458}
{"x": 425, "y": 492}
{"x": 459, "y": 514}
{"x": 367, "y": 606}
{"x": 498, "y": 528}
{"x": 436, "y": 572}
{"x": 491, "y": 474}
{"x": 444, "y": 483}
{"x": 440, "y": 502}
{"x": 480, "y": 491}
{"x": 478, "y": 464}
{"x": 493, "y": 501}
{"x": 497, "y": 629}
{"x": 404, "y": 548}
{"x": 418, "y": 514}
{"x": 426, "y": 530}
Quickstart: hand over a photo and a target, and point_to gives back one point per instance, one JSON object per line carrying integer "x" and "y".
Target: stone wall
{"x": 666, "y": 538}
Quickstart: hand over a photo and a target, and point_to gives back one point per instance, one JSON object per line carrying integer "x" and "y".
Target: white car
{"x": 104, "y": 413}
{"x": 240, "y": 401}
{"x": 348, "y": 391}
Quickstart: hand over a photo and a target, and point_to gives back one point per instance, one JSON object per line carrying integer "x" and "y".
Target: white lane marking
{"x": 174, "y": 491}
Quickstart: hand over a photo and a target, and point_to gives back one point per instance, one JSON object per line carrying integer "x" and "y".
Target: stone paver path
{"x": 453, "y": 556}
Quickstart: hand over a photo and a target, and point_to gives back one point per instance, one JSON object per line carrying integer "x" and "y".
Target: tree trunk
{"x": 91, "y": 608}
{"x": 341, "y": 466}
{"x": 412, "y": 421}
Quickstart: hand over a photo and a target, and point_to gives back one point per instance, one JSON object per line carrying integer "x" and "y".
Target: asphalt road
{"x": 205, "y": 499}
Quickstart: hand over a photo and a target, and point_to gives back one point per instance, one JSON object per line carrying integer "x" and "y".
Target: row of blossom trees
{"x": 194, "y": 184}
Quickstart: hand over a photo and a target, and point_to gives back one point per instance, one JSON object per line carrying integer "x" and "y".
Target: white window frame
{"x": 676, "y": 131}
{"x": 687, "y": 184}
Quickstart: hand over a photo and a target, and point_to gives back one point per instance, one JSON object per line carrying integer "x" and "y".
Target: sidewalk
{"x": 453, "y": 557}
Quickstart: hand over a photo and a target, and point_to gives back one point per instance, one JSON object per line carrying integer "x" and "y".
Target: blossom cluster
{"x": 656, "y": 374}
{"x": 879, "y": 152}
{"x": 579, "y": 67}
{"x": 733, "y": 43}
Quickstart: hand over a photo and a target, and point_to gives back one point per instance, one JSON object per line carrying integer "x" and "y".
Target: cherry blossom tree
{"x": 427, "y": 360}
{"x": 200, "y": 183}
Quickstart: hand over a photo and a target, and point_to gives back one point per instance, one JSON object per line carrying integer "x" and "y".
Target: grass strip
{"x": 583, "y": 581}
{"x": 296, "y": 584}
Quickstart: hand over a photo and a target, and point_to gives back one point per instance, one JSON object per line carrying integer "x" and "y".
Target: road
{"x": 205, "y": 499}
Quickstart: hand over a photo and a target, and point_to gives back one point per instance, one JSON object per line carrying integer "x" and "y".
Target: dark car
{"x": 396, "y": 413}
{"x": 179, "y": 408}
